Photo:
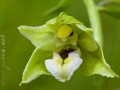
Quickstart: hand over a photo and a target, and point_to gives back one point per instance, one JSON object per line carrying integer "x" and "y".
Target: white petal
{"x": 63, "y": 70}
{"x": 71, "y": 64}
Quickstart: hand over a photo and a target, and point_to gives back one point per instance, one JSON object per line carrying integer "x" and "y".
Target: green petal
{"x": 41, "y": 37}
{"x": 82, "y": 27}
{"x": 87, "y": 42}
{"x": 36, "y": 65}
{"x": 94, "y": 63}
{"x": 85, "y": 37}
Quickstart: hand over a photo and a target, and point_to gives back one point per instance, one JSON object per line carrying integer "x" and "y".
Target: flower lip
{"x": 64, "y": 53}
{"x": 63, "y": 70}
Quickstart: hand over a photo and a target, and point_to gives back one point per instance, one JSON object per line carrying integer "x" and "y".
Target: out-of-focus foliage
{"x": 14, "y": 13}
{"x": 63, "y": 4}
{"x": 110, "y": 7}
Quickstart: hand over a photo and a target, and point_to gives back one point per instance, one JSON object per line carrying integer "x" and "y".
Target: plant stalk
{"x": 99, "y": 81}
{"x": 94, "y": 20}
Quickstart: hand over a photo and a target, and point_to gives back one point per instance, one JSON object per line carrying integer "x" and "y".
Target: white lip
{"x": 63, "y": 69}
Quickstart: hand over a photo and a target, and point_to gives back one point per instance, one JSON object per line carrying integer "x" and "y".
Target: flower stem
{"x": 94, "y": 20}
{"x": 99, "y": 82}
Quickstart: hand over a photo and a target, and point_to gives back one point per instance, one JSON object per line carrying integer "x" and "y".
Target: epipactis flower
{"x": 72, "y": 46}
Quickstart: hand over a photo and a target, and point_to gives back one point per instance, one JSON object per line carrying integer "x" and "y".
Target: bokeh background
{"x": 18, "y": 49}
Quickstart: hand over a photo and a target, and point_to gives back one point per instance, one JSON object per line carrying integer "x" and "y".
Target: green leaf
{"x": 109, "y": 2}
{"x": 94, "y": 63}
{"x": 63, "y": 4}
{"x": 114, "y": 12}
{"x": 41, "y": 37}
{"x": 36, "y": 65}
{"x": 110, "y": 7}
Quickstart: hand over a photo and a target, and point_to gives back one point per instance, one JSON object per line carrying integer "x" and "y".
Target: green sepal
{"x": 66, "y": 19}
{"x": 94, "y": 63}
{"x": 36, "y": 65}
{"x": 41, "y": 36}
{"x": 62, "y": 19}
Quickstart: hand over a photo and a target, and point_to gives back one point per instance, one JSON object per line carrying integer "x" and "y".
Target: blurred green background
{"x": 18, "y": 49}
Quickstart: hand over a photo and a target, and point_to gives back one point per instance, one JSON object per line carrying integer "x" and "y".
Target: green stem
{"x": 99, "y": 81}
{"x": 94, "y": 20}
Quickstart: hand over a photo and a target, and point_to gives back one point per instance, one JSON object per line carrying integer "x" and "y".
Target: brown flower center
{"x": 64, "y": 53}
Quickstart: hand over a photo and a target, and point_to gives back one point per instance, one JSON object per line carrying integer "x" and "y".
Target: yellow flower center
{"x": 64, "y": 31}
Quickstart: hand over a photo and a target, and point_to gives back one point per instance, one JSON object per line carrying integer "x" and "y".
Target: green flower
{"x": 72, "y": 46}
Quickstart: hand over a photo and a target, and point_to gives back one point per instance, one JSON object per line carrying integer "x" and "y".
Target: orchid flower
{"x": 63, "y": 45}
